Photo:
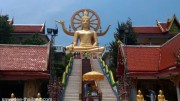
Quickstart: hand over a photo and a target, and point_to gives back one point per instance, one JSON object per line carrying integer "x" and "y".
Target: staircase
{"x": 74, "y": 82}
{"x": 107, "y": 92}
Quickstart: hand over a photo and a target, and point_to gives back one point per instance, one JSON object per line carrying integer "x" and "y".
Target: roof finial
{"x": 169, "y": 19}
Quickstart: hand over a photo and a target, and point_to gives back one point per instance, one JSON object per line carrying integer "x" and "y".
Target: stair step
{"x": 72, "y": 95}
{"x": 107, "y": 92}
{"x": 71, "y": 98}
{"x": 74, "y": 81}
{"x": 109, "y": 99}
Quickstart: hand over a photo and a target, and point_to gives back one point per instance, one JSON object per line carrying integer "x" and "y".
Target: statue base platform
{"x": 85, "y": 49}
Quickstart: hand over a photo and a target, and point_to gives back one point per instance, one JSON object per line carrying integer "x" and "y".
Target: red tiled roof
{"x": 24, "y": 58}
{"x": 28, "y": 28}
{"x": 152, "y": 59}
{"x": 142, "y": 58}
{"x": 168, "y": 51}
{"x": 147, "y": 30}
{"x": 156, "y": 29}
{"x": 164, "y": 26}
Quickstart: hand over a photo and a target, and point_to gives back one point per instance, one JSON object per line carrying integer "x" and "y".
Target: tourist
{"x": 152, "y": 95}
{"x": 94, "y": 91}
{"x": 87, "y": 89}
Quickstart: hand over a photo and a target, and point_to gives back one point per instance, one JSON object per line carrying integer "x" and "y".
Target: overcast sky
{"x": 142, "y": 13}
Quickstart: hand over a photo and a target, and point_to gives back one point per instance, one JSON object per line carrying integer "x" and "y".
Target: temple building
{"x": 159, "y": 34}
{"x": 154, "y": 67}
{"x": 24, "y": 70}
{"x": 24, "y": 31}
{"x": 154, "y": 63}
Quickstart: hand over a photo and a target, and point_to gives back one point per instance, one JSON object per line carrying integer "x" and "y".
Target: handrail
{"x": 108, "y": 72}
{"x": 110, "y": 77}
{"x": 67, "y": 72}
{"x": 65, "y": 76}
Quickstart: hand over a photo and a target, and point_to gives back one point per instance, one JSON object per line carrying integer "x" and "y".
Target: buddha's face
{"x": 12, "y": 95}
{"x": 160, "y": 92}
{"x": 139, "y": 92}
{"x": 85, "y": 23}
{"x": 38, "y": 95}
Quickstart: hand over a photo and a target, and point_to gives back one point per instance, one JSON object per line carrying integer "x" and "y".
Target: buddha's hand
{"x": 60, "y": 21}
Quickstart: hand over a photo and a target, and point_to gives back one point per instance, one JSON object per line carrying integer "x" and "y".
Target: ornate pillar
{"x": 176, "y": 81}
{"x": 31, "y": 88}
{"x": 133, "y": 90}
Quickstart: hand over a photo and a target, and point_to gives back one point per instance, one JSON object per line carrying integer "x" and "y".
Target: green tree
{"x": 13, "y": 40}
{"x": 34, "y": 40}
{"x": 68, "y": 56}
{"x": 5, "y": 30}
{"x": 127, "y": 35}
{"x": 114, "y": 54}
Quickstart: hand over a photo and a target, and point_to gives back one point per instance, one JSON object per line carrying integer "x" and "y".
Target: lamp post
{"x": 53, "y": 82}
{"x": 52, "y": 32}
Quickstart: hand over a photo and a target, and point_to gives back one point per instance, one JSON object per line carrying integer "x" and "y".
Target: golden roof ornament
{"x": 85, "y": 15}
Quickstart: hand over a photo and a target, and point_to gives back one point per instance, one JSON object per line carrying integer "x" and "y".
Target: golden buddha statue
{"x": 88, "y": 38}
{"x": 139, "y": 96}
{"x": 12, "y": 97}
{"x": 161, "y": 96}
{"x": 38, "y": 97}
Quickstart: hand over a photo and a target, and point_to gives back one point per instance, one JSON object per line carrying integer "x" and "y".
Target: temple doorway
{"x": 11, "y": 86}
{"x": 165, "y": 85}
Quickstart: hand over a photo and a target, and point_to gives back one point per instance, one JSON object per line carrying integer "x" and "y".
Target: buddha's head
{"x": 160, "y": 92}
{"x": 139, "y": 92}
{"x": 12, "y": 95}
{"x": 38, "y": 95}
{"x": 85, "y": 20}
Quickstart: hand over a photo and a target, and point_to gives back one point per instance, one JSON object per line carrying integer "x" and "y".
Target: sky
{"x": 141, "y": 12}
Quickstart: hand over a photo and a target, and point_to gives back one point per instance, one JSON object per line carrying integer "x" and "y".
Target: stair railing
{"x": 110, "y": 77}
{"x": 65, "y": 77}
{"x": 67, "y": 72}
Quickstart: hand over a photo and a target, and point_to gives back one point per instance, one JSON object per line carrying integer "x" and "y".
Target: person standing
{"x": 152, "y": 95}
